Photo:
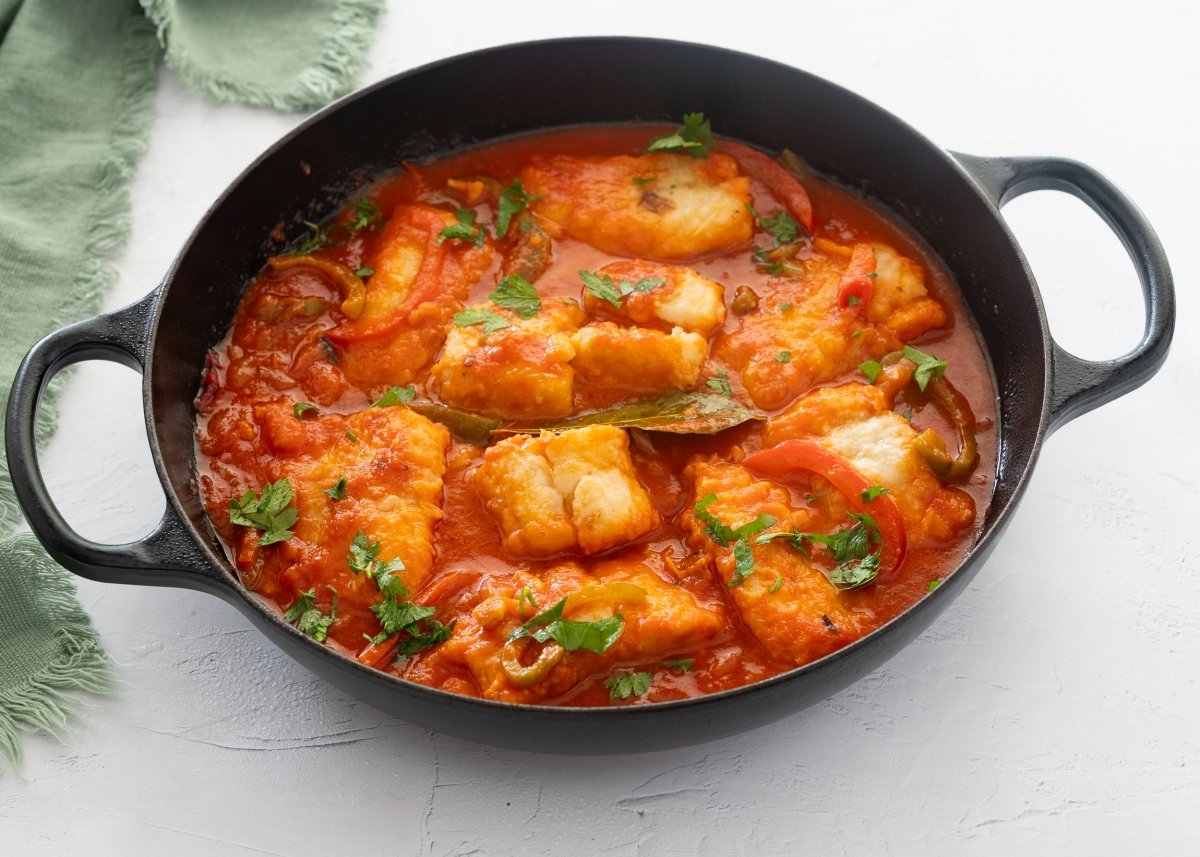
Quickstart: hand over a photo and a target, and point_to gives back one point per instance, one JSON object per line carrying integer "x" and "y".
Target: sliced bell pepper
{"x": 350, "y": 286}
{"x": 784, "y": 459}
{"x": 857, "y": 286}
{"x": 783, "y": 184}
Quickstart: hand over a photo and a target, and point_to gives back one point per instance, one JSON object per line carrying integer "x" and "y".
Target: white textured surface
{"x": 1052, "y": 709}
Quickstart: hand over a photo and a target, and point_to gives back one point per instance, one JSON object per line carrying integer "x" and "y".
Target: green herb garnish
{"x": 490, "y": 321}
{"x": 364, "y": 272}
{"x": 933, "y": 584}
{"x": 465, "y": 229}
{"x": 308, "y": 619}
{"x": 269, "y": 512}
{"x": 395, "y": 396}
{"x": 874, "y": 491}
{"x": 720, "y": 384}
{"x": 571, "y": 635}
{"x": 605, "y": 289}
{"x": 513, "y": 200}
{"x": 778, "y": 583}
{"x": 363, "y": 558}
{"x": 366, "y": 215}
{"x": 870, "y": 368}
{"x": 722, "y": 533}
{"x": 928, "y": 366}
{"x": 780, "y": 226}
{"x": 783, "y": 357}
{"x": 517, "y": 294}
{"x": 694, "y": 137}
{"x": 851, "y": 548}
{"x": 683, "y": 665}
{"x": 625, "y": 685}
{"x": 302, "y": 408}
{"x": 337, "y": 490}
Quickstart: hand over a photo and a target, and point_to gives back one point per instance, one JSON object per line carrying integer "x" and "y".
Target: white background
{"x": 1052, "y": 709}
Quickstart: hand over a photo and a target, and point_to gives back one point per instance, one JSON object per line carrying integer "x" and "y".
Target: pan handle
{"x": 1079, "y": 385}
{"x": 167, "y": 556}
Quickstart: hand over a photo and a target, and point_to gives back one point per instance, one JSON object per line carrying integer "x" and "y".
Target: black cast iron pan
{"x": 951, "y": 200}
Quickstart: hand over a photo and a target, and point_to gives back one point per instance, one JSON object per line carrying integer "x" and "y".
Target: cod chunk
{"x": 556, "y": 492}
{"x": 856, "y": 422}
{"x": 679, "y": 208}
{"x": 522, "y": 371}
{"x": 787, "y": 602}
{"x": 800, "y": 315}
{"x": 643, "y": 360}
{"x": 657, "y": 618}
{"x": 393, "y": 461}
{"x": 418, "y": 284}
{"x": 683, "y": 299}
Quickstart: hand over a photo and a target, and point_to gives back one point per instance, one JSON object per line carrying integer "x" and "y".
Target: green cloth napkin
{"x": 76, "y": 87}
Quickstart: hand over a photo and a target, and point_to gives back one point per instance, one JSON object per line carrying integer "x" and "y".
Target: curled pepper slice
{"x": 784, "y": 459}
{"x": 778, "y": 180}
{"x": 857, "y": 286}
{"x": 350, "y": 286}
{"x": 523, "y": 675}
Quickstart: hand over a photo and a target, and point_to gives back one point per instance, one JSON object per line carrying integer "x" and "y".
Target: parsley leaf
{"x": 720, "y": 384}
{"x": 694, "y": 137}
{"x": 874, "y": 491}
{"x": 269, "y": 512}
{"x": 302, "y": 408}
{"x": 571, "y": 635}
{"x": 783, "y": 357}
{"x": 643, "y": 180}
{"x": 399, "y": 615}
{"x": 513, "y": 200}
{"x": 364, "y": 272}
{"x": 934, "y": 584}
{"x": 605, "y": 289}
{"x": 318, "y": 237}
{"x": 490, "y": 321}
{"x": 780, "y": 226}
{"x": 351, "y": 436}
{"x": 625, "y": 685}
{"x": 395, "y": 396}
{"x": 928, "y": 366}
{"x": 763, "y": 262}
{"x": 743, "y": 559}
{"x": 366, "y": 216}
{"x": 517, "y": 294}
{"x": 870, "y": 368}
{"x": 308, "y": 619}
{"x": 337, "y": 490}
{"x": 465, "y": 229}
{"x": 778, "y": 583}
{"x": 722, "y": 533}
{"x": 363, "y": 559}
{"x": 851, "y": 548}
{"x": 680, "y": 664}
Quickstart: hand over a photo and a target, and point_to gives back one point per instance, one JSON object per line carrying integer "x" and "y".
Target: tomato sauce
{"x": 277, "y": 349}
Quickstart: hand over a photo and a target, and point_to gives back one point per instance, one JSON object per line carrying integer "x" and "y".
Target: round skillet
{"x": 951, "y": 200}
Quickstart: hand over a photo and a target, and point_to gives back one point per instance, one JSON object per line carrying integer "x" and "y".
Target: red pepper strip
{"x": 380, "y": 653}
{"x": 782, "y": 460}
{"x": 856, "y": 280}
{"x": 785, "y": 186}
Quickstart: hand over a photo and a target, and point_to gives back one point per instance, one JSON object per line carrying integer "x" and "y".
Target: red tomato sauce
{"x": 276, "y": 349}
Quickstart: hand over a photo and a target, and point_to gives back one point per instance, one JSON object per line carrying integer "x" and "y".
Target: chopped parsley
{"x": 933, "y": 584}
{"x": 351, "y": 436}
{"x": 694, "y": 136}
{"x": 571, "y": 635}
{"x": 722, "y": 533}
{"x": 683, "y": 665}
{"x": 780, "y": 226}
{"x": 318, "y": 237}
{"x": 874, "y": 491}
{"x": 465, "y": 230}
{"x": 513, "y": 200}
{"x": 855, "y": 550}
{"x": 783, "y": 357}
{"x": 397, "y": 615}
{"x": 337, "y": 490}
{"x": 364, "y": 272}
{"x": 490, "y": 321}
{"x": 763, "y": 262}
{"x": 310, "y": 620}
{"x": 870, "y": 368}
{"x": 778, "y": 583}
{"x": 643, "y": 180}
{"x": 395, "y": 396}
{"x": 720, "y": 384}
{"x": 270, "y": 512}
{"x": 605, "y": 289}
{"x": 363, "y": 558}
{"x": 743, "y": 562}
{"x": 928, "y": 366}
{"x": 366, "y": 216}
{"x": 626, "y": 684}
{"x": 517, "y": 294}
{"x": 786, "y": 306}
{"x": 302, "y": 408}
